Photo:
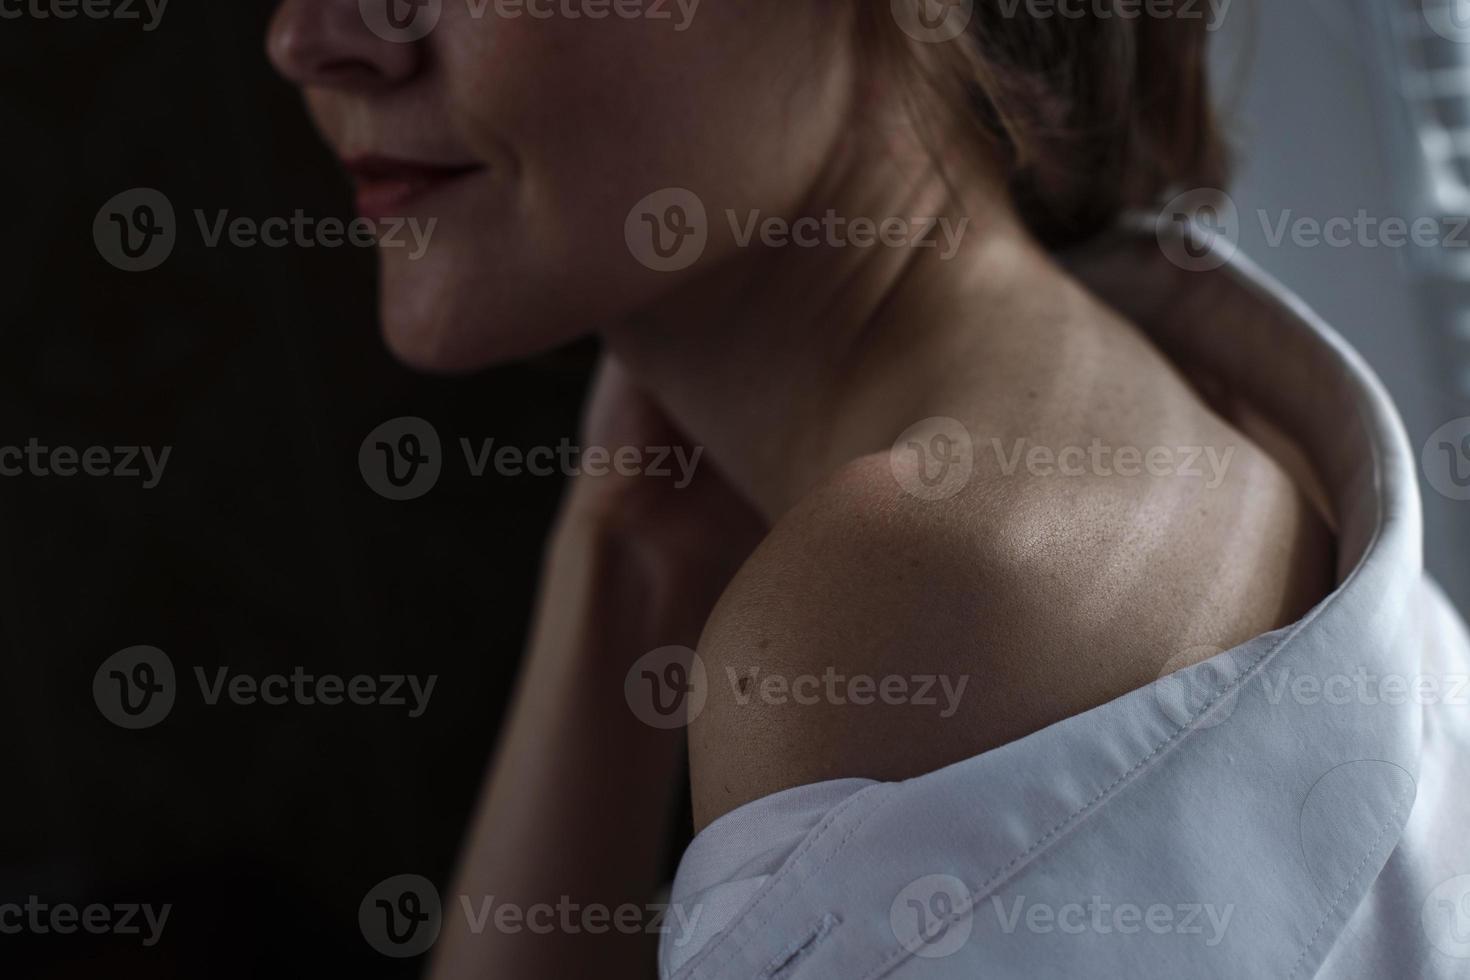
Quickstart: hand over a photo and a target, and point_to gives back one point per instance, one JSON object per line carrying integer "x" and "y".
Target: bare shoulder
{"x": 880, "y": 635}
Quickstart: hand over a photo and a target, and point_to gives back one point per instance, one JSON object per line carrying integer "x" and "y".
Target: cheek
{"x": 741, "y": 107}
{"x": 580, "y": 121}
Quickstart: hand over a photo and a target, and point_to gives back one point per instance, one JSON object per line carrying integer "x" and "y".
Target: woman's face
{"x": 531, "y": 130}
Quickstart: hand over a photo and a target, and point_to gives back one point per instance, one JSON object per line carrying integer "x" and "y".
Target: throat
{"x": 788, "y": 363}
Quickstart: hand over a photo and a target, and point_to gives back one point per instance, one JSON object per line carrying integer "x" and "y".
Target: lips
{"x": 386, "y": 186}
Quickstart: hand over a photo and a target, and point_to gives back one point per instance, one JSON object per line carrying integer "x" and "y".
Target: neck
{"x": 787, "y": 362}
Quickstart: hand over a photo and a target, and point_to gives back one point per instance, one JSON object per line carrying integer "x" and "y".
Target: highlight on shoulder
{"x": 930, "y": 603}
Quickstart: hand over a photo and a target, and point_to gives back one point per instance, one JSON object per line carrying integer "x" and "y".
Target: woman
{"x": 1010, "y": 522}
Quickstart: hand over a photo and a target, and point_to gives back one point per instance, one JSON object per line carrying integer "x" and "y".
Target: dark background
{"x": 262, "y": 548}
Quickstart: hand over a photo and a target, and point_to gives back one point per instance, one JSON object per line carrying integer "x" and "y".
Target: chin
{"x": 439, "y": 322}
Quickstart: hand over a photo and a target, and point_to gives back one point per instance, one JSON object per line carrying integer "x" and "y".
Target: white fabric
{"x": 1271, "y": 812}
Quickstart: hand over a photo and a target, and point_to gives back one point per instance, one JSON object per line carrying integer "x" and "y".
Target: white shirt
{"x": 1298, "y": 806}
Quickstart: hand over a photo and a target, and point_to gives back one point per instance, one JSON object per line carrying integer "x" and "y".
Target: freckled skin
{"x": 1052, "y": 596}
{"x": 793, "y": 549}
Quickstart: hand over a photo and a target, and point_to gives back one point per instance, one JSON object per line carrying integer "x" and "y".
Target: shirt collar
{"x": 1219, "y": 792}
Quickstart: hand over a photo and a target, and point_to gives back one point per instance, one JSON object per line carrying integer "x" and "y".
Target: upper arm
{"x": 854, "y": 643}
{"x": 876, "y": 635}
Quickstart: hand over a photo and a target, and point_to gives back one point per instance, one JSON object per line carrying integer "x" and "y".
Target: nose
{"x": 330, "y": 44}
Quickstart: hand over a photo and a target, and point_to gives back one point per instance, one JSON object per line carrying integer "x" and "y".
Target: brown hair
{"x": 1089, "y": 115}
